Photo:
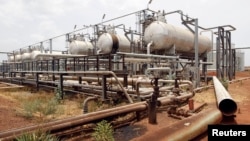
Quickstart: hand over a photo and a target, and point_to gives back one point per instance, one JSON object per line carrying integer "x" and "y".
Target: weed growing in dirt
{"x": 225, "y": 83}
{"x": 36, "y": 136}
{"x": 49, "y": 107}
{"x": 30, "y": 107}
{"x": 103, "y": 131}
{"x": 43, "y": 106}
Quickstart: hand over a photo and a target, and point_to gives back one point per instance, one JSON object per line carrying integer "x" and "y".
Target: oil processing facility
{"x": 154, "y": 49}
{"x": 115, "y": 62}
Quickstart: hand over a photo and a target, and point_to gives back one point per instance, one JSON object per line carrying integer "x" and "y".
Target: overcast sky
{"x": 25, "y": 22}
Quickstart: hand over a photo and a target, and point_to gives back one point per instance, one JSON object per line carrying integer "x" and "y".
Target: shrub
{"x": 30, "y": 107}
{"x": 103, "y": 131}
{"x": 42, "y": 106}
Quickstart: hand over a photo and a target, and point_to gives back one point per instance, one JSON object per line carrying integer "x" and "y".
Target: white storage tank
{"x": 34, "y": 54}
{"x": 108, "y": 42}
{"x": 165, "y": 36}
{"x": 26, "y": 54}
{"x": 18, "y": 56}
{"x": 35, "y": 51}
{"x": 78, "y": 47}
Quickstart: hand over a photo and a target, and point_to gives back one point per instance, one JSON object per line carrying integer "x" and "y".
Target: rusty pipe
{"x": 95, "y": 117}
{"x": 189, "y": 128}
{"x": 164, "y": 101}
{"x": 225, "y": 102}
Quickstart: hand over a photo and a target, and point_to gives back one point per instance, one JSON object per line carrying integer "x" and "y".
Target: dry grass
{"x": 207, "y": 96}
{"x": 40, "y": 105}
{"x": 34, "y": 105}
{"x": 235, "y": 90}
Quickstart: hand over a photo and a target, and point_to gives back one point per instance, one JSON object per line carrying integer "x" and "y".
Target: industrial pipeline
{"x": 225, "y": 102}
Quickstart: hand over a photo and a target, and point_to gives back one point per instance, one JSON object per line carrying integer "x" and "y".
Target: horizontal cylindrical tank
{"x": 34, "y": 54}
{"x": 18, "y": 57}
{"x": 165, "y": 36}
{"x": 26, "y": 54}
{"x": 110, "y": 43}
{"x": 77, "y": 47}
{"x": 10, "y": 58}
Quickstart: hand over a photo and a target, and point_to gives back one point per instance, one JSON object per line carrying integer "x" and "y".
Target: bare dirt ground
{"x": 12, "y": 113}
{"x": 9, "y": 117}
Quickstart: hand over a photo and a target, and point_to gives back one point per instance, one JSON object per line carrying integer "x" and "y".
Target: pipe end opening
{"x": 228, "y": 107}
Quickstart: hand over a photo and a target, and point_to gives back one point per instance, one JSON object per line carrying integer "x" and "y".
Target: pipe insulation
{"x": 225, "y": 102}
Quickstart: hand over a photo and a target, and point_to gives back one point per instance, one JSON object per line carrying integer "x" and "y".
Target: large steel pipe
{"x": 165, "y": 101}
{"x": 225, "y": 102}
{"x": 188, "y": 128}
